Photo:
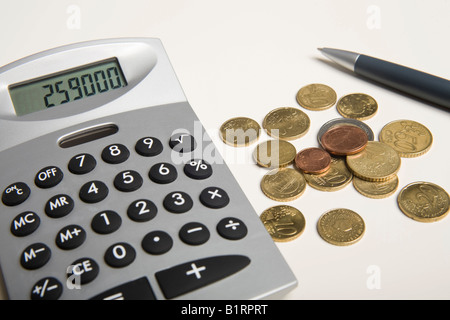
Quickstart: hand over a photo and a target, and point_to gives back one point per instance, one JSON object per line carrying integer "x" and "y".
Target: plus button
{"x": 195, "y": 270}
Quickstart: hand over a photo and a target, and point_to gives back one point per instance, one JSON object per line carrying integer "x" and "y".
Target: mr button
{"x": 48, "y": 177}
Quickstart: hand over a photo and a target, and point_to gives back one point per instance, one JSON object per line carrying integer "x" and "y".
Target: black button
{"x": 163, "y": 173}
{"x": 70, "y": 237}
{"x": 106, "y": 222}
{"x": 47, "y": 289}
{"x": 232, "y": 229}
{"x": 194, "y": 234}
{"x": 193, "y": 275}
{"x": 83, "y": 271}
{"x": 59, "y": 206}
{"x": 214, "y": 198}
{"x": 182, "y": 142}
{"x": 25, "y": 224}
{"x": 198, "y": 169}
{"x": 35, "y": 256}
{"x": 82, "y": 164}
{"x": 115, "y": 154}
{"x": 149, "y": 147}
{"x": 157, "y": 242}
{"x": 16, "y": 194}
{"x": 142, "y": 210}
{"x": 93, "y": 192}
{"x": 139, "y": 289}
{"x": 120, "y": 255}
{"x": 48, "y": 177}
{"x": 128, "y": 181}
{"x": 178, "y": 202}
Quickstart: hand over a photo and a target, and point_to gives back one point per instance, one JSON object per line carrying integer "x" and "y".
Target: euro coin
{"x": 313, "y": 160}
{"x": 378, "y": 162}
{"x": 345, "y": 121}
{"x": 344, "y": 140}
{"x": 284, "y": 184}
{"x": 336, "y": 178}
{"x": 240, "y": 132}
{"x": 286, "y": 123}
{"x": 274, "y": 154}
{"x": 376, "y": 190}
{"x": 316, "y": 97}
{"x": 341, "y": 227}
{"x": 284, "y": 223}
{"x": 357, "y": 106}
{"x": 424, "y": 201}
{"x": 409, "y": 138}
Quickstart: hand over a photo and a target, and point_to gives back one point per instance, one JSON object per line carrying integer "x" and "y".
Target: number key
{"x": 115, "y": 154}
{"x": 149, "y": 147}
{"x": 142, "y": 210}
{"x": 178, "y": 202}
{"x": 93, "y": 192}
{"x": 163, "y": 173}
{"x": 82, "y": 164}
{"x": 128, "y": 181}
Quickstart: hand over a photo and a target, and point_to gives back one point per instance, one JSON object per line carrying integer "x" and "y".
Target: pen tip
{"x": 320, "y": 49}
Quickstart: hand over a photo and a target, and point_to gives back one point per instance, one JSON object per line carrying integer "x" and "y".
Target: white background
{"x": 247, "y": 57}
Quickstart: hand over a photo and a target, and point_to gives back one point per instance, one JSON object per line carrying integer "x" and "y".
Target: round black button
{"x": 16, "y": 194}
{"x": 232, "y": 229}
{"x": 194, "y": 234}
{"x": 83, "y": 271}
{"x": 163, "y": 173}
{"x": 115, "y": 154}
{"x": 149, "y": 147}
{"x": 182, "y": 142}
{"x": 70, "y": 237}
{"x": 82, "y": 164}
{"x": 178, "y": 202}
{"x": 47, "y": 289}
{"x": 106, "y": 222}
{"x": 198, "y": 169}
{"x": 142, "y": 210}
{"x": 214, "y": 198}
{"x": 157, "y": 242}
{"x": 93, "y": 192}
{"x": 35, "y": 256}
{"x": 25, "y": 224}
{"x": 128, "y": 181}
{"x": 48, "y": 177}
{"x": 120, "y": 255}
{"x": 59, "y": 206}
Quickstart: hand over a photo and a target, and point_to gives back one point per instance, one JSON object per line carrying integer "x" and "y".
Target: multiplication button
{"x": 15, "y": 194}
{"x": 214, "y": 198}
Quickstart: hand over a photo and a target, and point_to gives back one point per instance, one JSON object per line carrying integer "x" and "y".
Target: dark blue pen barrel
{"x": 413, "y": 82}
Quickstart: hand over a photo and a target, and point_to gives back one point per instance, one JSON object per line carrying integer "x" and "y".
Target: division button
{"x": 182, "y": 142}
{"x": 70, "y": 237}
{"x": 163, "y": 173}
{"x": 93, "y": 192}
{"x": 214, "y": 198}
{"x": 232, "y": 229}
{"x": 83, "y": 271}
{"x": 193, "y": 275}
{"x": 59, "y": 206}
{"x": 47, "y": 289}
{"x": 139, "y": 289}
{"x": 194, "y": 234}
{"x": 198, "y": 169}
{"x": 120, "y": 255}
{"x": 142, "y": 210}
{"x": 115, "y": 154}
{"x": 149, "y": 147}
{"x": 35, "y": 256}
{"x": 128, "y": 181}
{"x": 106, "y": 222}
{"x": 157, "y": 242}
{"x": 48, "y": 177}
{"x": 15, "y": 194}
{"x": 178, "y": 202}
{"x": 25, "y": 224}
{"x": 82, "y": 164}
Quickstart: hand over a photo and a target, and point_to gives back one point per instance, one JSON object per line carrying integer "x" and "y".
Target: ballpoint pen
{"x": 416, "y": 83}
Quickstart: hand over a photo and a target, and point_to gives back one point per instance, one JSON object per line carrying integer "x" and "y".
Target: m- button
{"x": 48, "y": 177}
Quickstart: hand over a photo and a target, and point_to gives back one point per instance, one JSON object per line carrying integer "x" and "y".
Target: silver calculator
{"x": 112, "y": 189}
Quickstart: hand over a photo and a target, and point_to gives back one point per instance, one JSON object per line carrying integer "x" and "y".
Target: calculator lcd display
{"x": 67, "y": 86}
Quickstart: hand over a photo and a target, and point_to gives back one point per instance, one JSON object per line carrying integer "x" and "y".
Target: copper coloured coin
{"x": 345, "y": 140}
{"x": 313, "y": 160}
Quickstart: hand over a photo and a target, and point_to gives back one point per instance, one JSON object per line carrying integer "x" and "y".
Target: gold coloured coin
{"x": 240, "y": 132}
{"x": 284, "y": 184}
{"x": 316, "y": 96}
{"x": 341, "y": 227}
{"x": 376, "y": 190}
{"x": 424, "y": 201}
{"x": 284, "y": 223}
{"x": 409, "y": 138}
{"x": 358, "y": 106}
{"x": 378, "y": 162}
{"x": 286, "y": 123}
{"x": 274, "y": 154}
{"x": 336, "y": 178}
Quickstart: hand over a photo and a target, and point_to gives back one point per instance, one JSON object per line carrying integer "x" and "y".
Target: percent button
{"x": 198, "y": 169}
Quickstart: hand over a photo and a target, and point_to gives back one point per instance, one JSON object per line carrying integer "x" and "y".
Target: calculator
{"x": 113, "y": 190}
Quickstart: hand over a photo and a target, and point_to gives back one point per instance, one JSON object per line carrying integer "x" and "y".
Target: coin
{"x": 274, "y": 153}
{"x": 357, "y": 106}
{"x": 240, "y": 132}
{"x": 378, "y": 162}
{"x": 341, "y": 227}
{"x": 344, "y": 121}
{"x": 344, "y": 140}
{"x": 424, "y": 201}
{"x": 313, "y": 160}
{"x": 286, "y": 123}
{"x": 336, "y": 178}
{"x": 284, "y": 184}
{"x": 316, "y": 97}
{"x": 284, "y": 223}
{"x": 376, "y": 190}
{"x": 409, "y": 138}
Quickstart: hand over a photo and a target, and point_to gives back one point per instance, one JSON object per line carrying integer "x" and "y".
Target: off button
{"x": 48, "y": 177}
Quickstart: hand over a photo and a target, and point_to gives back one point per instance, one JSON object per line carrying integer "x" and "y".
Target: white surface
{"x": 245, "y": 58}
